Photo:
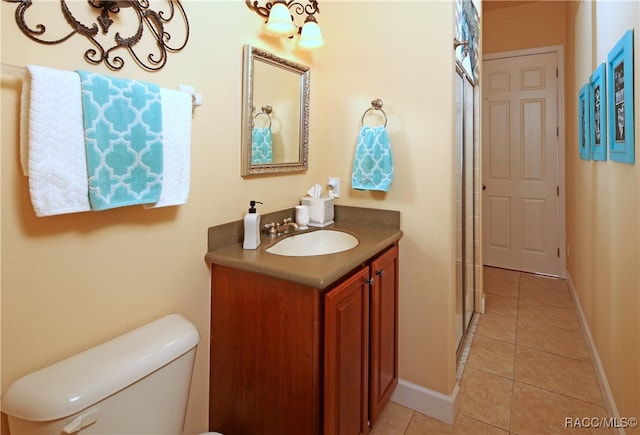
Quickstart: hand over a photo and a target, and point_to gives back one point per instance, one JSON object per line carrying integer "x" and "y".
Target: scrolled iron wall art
{"x": 151, "y": 20}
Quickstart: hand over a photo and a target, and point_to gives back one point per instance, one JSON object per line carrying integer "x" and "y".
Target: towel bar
{"x": 266, "y": 111}
{"x": 375, "y": 105}
{"x": 22, "y": 73}
{"x": 13, "y": 70}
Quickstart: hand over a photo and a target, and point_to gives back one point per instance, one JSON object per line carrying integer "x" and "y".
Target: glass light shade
{"x": 311, "y": 37}
{"x": 280, "y": 21}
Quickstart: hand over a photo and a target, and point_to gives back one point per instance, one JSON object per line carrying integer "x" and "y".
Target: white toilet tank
{"x": 137, "y": 383}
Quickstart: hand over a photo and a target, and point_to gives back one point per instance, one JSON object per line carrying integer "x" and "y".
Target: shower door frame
{"x": 469, "y": 275}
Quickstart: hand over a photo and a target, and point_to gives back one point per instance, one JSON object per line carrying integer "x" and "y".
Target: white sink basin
{"x": 320, "y": 242}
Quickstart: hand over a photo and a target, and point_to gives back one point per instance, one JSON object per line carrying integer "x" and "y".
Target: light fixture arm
{"x": 150, "y": 22}
{"x": 465, "y": 46}
{"x": 294, "y": 6}
{"x": 263, "y": 11}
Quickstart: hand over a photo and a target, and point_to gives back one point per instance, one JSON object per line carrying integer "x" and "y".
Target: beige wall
{"x": 602, "y": 205}
{"x": 603, "y": 210}
{"x": 535, "y": 24}
{"x": 412, "y": 72}
{"x": 72, "y": 281}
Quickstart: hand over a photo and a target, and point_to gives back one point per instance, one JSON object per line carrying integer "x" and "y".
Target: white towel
{"x": 176, "y": 138}
{"x": 24, "y": 126}
{"x": 57, "y": 164}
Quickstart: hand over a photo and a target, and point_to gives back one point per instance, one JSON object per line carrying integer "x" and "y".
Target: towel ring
{"x": 266, "y": 111}
{"x": 375, "y": 105}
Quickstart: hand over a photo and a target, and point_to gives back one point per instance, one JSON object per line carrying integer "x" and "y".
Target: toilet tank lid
{"x": 73, "y": 384}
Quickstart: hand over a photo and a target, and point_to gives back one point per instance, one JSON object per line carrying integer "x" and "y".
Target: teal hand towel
{"x": 123, "y": 138}
{"x": 261, "y": 146}
{"x": 373, "y": 161}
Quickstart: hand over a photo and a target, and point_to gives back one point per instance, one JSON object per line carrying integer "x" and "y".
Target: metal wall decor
{"x": 150, "y": 27}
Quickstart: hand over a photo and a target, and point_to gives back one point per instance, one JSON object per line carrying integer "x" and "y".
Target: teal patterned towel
{"x": 123, "y": 138}
{"x": 373, "y": 162}
{"x": 261, "y": 146}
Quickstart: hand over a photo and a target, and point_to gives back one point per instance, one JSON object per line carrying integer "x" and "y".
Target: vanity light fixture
{"x": 150, "y": 30}
{"x": 281, "y": 20}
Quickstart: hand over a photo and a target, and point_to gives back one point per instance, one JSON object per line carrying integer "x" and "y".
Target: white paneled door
{"x": 520, "y": 170}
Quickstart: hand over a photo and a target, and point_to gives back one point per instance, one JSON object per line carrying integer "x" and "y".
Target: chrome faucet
{"x": 278, "y": 229}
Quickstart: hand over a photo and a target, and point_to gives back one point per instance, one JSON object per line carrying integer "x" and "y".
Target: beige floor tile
{"x": 486, "y": 397}
{"x": 500, "y": 305}
{"x": 501, "y": 288}
{"x": 497, "y": 326}
{"x": 538, "y": 411}
{"x": 501, "y": 274}
{"x": 552, "y": 339}
{"x": 557, "y": 297}
{"x": 529, "y": 279}
{"x": 424, "y": 425}
{"x": 493, "y": 356}
{"x": 559, "y": 374}
{"x": 548, "y": 315}
{"x": 470, "y": 426}
{"x": 528, "y": 371}
{"x": 393, "y": 420}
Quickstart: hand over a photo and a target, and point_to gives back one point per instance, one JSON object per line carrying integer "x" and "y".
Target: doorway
{"x": 523, "y": 161}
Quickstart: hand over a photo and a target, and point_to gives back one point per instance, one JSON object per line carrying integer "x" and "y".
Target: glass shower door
{"x": 469, "y": 201}
{"x": 465, "y": 165}
{"x": 459, "y": 175}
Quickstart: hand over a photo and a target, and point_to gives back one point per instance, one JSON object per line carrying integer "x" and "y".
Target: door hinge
{"x": 558, "y": 252}
{"x": 556, "y": 72}
{"x": 558, "y": 190}
{"x": 558, "y": 131}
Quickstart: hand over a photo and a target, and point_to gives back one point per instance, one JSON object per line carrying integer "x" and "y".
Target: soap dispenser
{"x": 252, "y": 227}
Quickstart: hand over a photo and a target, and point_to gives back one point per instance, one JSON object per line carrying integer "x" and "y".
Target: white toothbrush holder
{"x": 302, "y": 216}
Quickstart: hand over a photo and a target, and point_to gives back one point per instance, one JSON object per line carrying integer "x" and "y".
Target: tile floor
{"x": 527, "y": 370}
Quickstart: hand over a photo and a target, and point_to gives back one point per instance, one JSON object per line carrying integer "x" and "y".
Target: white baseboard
{"x": 425, "y": 401}
{"x": 605, "y": 389}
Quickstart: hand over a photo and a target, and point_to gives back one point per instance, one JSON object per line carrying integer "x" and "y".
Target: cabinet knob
{"x": 369, "y": 281}
{"x": 380, "y": 272}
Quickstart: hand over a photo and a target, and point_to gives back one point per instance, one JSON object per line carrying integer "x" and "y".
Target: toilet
{"x": 137, "y": 383}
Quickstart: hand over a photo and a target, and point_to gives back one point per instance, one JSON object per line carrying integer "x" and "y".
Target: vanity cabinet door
{"x": 383, "y": 376}
{"x": 266, "y": 338}
{"x": 346, "y": 352}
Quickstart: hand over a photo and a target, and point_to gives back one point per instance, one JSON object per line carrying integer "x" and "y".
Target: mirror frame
{"x": 251, "y": 54}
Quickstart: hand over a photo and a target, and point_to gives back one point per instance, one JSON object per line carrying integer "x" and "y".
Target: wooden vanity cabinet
{"x": 383, "y": 331}
{"x": 291, "y": 359}
{"x": 346, "y": 356}
{"x": 265, "y": 361}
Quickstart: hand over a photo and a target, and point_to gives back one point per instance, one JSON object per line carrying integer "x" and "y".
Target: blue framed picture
{"x": 620, "y": 100}
{"x": 598, "y": 113}
{"x": 584, "y": 124}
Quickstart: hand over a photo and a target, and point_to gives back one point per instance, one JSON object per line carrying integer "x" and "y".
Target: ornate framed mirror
{"x": 275, "y": 114}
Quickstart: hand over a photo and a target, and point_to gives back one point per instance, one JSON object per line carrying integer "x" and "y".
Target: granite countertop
{"x": 374, "y": 229}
